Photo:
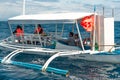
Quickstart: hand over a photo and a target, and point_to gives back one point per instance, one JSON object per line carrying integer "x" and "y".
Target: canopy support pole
{"x": 94, "y": 29}
{"x": 79, "y": 36}
{"x": 62, "y": 30}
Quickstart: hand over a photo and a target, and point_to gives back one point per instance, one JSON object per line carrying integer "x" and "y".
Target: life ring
{"x": 86, "y": 41}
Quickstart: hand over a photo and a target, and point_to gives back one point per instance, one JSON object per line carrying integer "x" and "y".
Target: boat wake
{"x": 38, "y": 61}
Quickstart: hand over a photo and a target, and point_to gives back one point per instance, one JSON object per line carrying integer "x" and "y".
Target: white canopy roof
{"x": 48, "y": 18}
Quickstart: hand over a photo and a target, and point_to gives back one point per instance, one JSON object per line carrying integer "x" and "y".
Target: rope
{"x": 109, "y": 45}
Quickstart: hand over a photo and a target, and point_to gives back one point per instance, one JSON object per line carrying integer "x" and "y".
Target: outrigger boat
{"x": 101, "y": 45}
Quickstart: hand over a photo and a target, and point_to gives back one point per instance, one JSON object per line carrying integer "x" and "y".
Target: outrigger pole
{"x": 39, "y": 67}
{"x": 7, "y": 60}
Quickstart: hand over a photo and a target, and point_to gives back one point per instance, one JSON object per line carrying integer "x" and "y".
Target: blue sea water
{"x": 79, "y": 69}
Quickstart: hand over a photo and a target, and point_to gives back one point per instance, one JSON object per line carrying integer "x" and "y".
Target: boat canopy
{"x": 48, "y": 18}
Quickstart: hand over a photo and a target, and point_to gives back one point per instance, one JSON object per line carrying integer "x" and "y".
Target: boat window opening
{"x": 32, "y": 39}
{"x": 66, "y": 28}
{"x": 11, "y": 32}
{"x": 59, "y": 30}
{"x": 52, "y": 32}
{"x": 86, "y": 37}
{"x": 13, "y": 37}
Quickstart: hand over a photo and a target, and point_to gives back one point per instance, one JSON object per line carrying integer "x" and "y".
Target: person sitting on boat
{"x": 70, "y": 41}
{"x": 19, "y": 32}
{"x": 87, "y": 41}
{"x": 77, "y": 40}
{"x": 38, "y": 30}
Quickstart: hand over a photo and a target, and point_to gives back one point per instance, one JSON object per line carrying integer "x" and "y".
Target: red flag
{"x": 87, "y": 23}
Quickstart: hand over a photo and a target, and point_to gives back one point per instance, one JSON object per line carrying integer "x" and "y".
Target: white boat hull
{"x": 109, "y": 58}
{"x": 100, "y": 57}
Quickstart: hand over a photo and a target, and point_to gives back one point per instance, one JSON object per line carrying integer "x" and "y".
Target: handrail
{"x": 30, "y": 39}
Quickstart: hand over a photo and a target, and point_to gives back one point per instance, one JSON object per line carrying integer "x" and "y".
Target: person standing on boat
{"x": 38, "y": 30}
{"x": 19, "y": 33}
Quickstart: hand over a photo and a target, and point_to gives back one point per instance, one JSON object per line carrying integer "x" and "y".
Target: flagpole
{"x": 93, "y": 44}
{"x": 23, "y": 7}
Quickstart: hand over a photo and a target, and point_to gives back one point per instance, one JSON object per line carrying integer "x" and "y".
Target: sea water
{"x": 79, "y": 69}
